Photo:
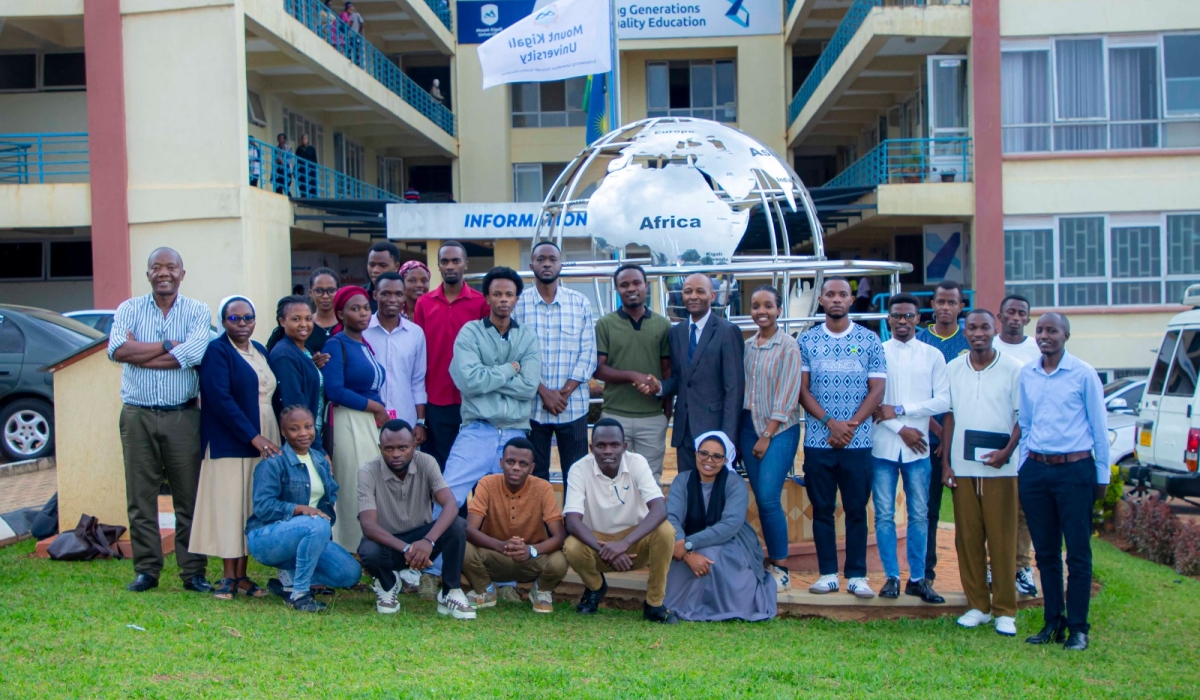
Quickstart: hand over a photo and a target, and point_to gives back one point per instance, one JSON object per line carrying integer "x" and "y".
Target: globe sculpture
{"x": 687, "y": 189}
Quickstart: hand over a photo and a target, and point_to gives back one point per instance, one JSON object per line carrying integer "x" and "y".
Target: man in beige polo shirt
{"x": 617, "y": 521}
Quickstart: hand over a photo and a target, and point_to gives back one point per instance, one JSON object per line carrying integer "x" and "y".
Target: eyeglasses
{"x": 324, "y": 291}
{"x": 235, "y": 319}
{"x": 902, "y": 317}
{"x": 705, "y": 456}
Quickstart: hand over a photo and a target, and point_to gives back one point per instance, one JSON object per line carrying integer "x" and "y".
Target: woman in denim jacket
{"x": 291, "y": 529}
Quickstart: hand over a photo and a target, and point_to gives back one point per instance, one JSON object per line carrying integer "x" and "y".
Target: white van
{"x": 1168, "y": 427}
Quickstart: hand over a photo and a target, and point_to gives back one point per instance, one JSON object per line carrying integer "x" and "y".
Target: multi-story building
{"x": 1045, "y": 147}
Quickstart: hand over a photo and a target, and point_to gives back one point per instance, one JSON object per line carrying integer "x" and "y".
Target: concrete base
{"x": 168, "y": 545}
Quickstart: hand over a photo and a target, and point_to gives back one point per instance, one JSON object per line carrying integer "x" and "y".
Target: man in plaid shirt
{"x": 562, "y": 320}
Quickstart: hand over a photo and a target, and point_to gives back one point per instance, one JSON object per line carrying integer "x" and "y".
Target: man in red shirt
{"x": 441, "y": 314}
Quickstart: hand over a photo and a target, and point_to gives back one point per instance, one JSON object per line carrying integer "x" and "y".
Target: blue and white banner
{"x": 652, "y": 19}
{"x": 564, "y": 39}
{"x": 480, "y": 21}
{"x": 474, "y": 221}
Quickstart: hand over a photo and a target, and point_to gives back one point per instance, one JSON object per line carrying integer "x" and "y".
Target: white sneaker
{"x": 1006, "y": 626}
{"x": 455, "y": 605}
{"x": 975, "y": 618}
{"x": 487, "y": 599}
{"x": 542, "y": 601}
{"x": 1025, "y": 584}
{"x": 410, "y": 580}
{"x": 783, "y": 578}
{"x": 387, "y": 602}
{"x": 860, "y": 588}
{"x": 826, "y": 584}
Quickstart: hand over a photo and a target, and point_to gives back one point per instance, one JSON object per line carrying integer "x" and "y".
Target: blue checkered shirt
{"x": 567, "y": 333}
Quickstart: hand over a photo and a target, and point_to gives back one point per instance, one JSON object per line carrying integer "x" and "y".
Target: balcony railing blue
{"x": 326, "y": 24}
{"x": 441, "y": 8}
{"x": 788, "y": 10}
{"x": 909, "y": 160}
{"x": 282, "y": 172}
{"x": 851, "y": 22}
{"x": 36, "y": 158}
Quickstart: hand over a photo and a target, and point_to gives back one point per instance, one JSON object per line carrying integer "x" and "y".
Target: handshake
{"x": 648, "y": 385}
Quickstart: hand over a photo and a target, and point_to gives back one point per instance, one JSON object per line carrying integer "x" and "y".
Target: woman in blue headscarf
{"x": 718, "y": 570}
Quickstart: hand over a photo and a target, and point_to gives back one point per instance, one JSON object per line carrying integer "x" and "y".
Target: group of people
{"x": 412, "y": 399}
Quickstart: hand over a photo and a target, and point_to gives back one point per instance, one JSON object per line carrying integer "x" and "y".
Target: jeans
{"x": 766, "y": 480}
{"x": 304, "y": 546}
{"x": 572, "y": 445}
{"x": 916, "y": 495}
{"x": 476, "y": 453}
{"x": 441, "y": 428}
{"x": 382, "y": 562}
{"x": 645, "y": 435}
{"x": 1058, "y": 503}
{"x": 826, "y": 471}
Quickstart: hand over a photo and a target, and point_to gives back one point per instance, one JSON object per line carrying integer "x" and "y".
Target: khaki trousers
{"x": 481, "y": 566}
{"x": 985, "y": 520}
{"x": 1024, "y": 541}
{"x": 653, "y": 551}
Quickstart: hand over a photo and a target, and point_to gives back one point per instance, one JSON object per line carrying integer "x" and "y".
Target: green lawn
{"x": 63, "y": 634}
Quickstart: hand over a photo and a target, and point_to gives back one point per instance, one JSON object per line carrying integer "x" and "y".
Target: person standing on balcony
{"x": 561, "y": 318}
{"x": 160, "y": 338}
{"x": 306, "y": 167}
{"x": 435, "y": 91}
{"x": 281, "y": 165}
{"x": 411, "y": 195}
{"x": 355, "y": 21}
{"x": 1064, "y": 470}
{"x": 381, "y": 257}
{"x": 844, "y": 370}
{"x": 1012, "y": 341}
{"x": 416, "y": 282}
{"x": 917, "y": 388}
{"x": 947, "y": 336}
{"x": 441, "y": 314}
{"x": 255, "y": 163}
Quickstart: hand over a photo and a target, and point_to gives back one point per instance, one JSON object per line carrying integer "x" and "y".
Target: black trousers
{"x": 381, "y": 562}
{"x": 936, "y": 490}
{"x": 827, "y": 471}
{"x": 685, "y": 454}
{"x": 1058, "y": 503}
{"x": 572, "y": 445}
{"x": 441, "y": 428}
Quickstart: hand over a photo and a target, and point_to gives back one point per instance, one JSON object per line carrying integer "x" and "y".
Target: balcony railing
{"x": 441, "y": 8}
{"x": 326, "y": 24}
{"x": 283, "y": 172}
{"x": 853, "y": 19}
{"x": 36, "y": 158}
{"x": 909, "y": 160}
{"x": 788, "y": 10}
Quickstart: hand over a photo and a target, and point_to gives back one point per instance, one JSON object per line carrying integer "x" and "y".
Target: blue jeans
{"x": 916, "y": 494}
{"x": 476, "y": 453}
{"x": 766, "y": 480}
{"x": 303, "y": 544}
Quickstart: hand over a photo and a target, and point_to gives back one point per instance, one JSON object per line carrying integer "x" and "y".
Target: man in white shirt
{"x": 617, "y": 521}
{"x": 399, "y": 346}
{"x": 1012, "y": 341}
{"x": 979, "y": 463}
{"x": 917, "y": 388}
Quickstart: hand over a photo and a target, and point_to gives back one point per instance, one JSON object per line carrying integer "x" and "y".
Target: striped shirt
{"x": 186, "y": 324}
{"x": 568, "y": 338}
{"x": 772, "y": 382}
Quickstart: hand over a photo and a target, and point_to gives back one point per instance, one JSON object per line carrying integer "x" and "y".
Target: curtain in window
{"x": 1079, "y": 76}
{"x": 1025, "y": 100}
{"x": 1133, "y": 96}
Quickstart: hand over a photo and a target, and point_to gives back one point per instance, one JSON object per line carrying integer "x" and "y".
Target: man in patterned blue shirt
{"x": 842, "y": 381}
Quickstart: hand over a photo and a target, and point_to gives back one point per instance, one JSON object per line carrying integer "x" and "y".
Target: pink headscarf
{"x": 412, "y": 265}
{"x": 340, "y": 300}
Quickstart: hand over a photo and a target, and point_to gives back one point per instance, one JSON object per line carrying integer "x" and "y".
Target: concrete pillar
{"x": 508, "y": 253}
{"x": 989, "y": 160}
{"x": 484, "y": 151}
{"x": 431, "y": 259}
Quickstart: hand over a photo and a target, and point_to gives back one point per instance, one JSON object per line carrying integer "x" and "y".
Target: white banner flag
{"x": 564, "y": 39}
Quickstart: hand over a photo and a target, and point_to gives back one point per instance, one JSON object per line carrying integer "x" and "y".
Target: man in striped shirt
{"x": 161, "y": 338}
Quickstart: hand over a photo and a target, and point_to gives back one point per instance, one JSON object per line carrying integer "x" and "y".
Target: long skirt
{"x": 355, "y": 442}
{"x": 730, "y": 591}
{"x": 225, "y": 498}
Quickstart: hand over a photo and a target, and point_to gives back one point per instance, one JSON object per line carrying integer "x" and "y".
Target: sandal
{"x": 226, "y": 589}
{"x": 253, "y": 591}
{"x": 317, "y": 589}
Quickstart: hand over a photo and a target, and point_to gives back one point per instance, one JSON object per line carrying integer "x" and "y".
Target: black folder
{"x": 982, "y": 439}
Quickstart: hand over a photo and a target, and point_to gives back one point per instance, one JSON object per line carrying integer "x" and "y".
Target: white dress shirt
{"x": 916, "y": 380}
{"x": 402, "y": 354}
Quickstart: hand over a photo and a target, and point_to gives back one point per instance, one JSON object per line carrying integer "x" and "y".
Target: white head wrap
{"x": 730, "y": 450}
{"x": 236, "y": 297}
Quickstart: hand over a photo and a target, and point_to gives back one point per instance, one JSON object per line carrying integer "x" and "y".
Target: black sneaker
{"x": 655, "y": 613}
{"x": 891, "y": 588}
{"x": 306, "y": 603}
{"x": 590, "y": 601}
{"x": 199, "y": 584}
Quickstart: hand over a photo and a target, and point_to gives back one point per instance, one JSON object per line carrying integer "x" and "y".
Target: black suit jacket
{"x": 708, "y": 391}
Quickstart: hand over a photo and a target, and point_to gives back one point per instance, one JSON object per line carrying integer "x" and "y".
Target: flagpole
{"x": 614, "y": 89}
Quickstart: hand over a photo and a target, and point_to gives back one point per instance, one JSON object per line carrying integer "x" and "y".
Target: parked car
{"x": 1124, "y": 395}
{"x": 29, "y": 339}
{"x": 1168, "y": 424}
{"x": 102, "y": 319}
{"x": 1122, "y": 436}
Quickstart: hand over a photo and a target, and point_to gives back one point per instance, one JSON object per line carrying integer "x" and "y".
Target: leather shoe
{"x": 199, "y": 584}
{"x": 1077, "y": 641}
{"x": 656, "y": 613}
{"x": 1050, "y": 634}
{"x": 891, "y": 588}
{"x": 142, "y": 583}
{"x": 923, "y": 589}
{"x": 590, "y": 601}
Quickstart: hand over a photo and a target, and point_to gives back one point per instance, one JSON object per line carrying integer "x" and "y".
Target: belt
{"x": 190, "y": 403}
{"x": 1060, "y": 459}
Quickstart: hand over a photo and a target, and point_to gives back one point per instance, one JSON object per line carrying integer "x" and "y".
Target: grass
{"x": 63, "y": 633}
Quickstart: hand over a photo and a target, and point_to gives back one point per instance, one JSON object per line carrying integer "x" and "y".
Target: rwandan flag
{"x": 595, "y": 103}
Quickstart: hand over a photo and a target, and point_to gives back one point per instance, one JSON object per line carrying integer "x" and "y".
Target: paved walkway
{"x": 27, "y": 490}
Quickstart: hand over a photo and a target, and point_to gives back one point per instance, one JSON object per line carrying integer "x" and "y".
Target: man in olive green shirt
{"x": 632, "y": 349}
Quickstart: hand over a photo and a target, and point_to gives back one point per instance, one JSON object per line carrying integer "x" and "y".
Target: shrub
{"x": 1153, "y": 529}
{"x": 1105, "y": 508}
{"x": 1187, "y": 549}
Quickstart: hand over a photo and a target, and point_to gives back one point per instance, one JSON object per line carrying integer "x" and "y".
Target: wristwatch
{"x": 532, "y": 552}
{"x": 768, "y": 434}
{"x": 420, "y": 423}
{"x": 825, "y": 420}
{"x": 687, "y": 545}
{"x": 167, "y": 345}
{"x": 899, "y": 410}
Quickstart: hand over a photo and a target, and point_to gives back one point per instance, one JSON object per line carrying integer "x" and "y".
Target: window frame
{"x": 46, "y": 252}
{"x": 40, "y": 72}
{"x": 691, "y": 109}
{"x": 540, "y": 113}
{"x": 1162, "y": 72}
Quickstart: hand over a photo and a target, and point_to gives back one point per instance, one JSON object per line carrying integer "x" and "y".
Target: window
{"x": 63, "y": 70}
{"x": 532, "y": 181}
{"x": 70, "y": 259}
{"x": 1101, "y": 93}
{"x": 556, "y": 103}
{"x": 21, "y": 261}
{"x": 295, "y": 125}
{"x": 349, "y": 156}
{"x": 42, "y": 71}
{"x": 1182, "y": 379}
{"x": 254, "y": 107}
{"x": 1095, "y": 261}
{"x": 12, "y": 340}
{"x": 18, "y": 71}
{"x": 701, "y": 89}
{"x": 26, "y": 261}
{"x": 1158, "y": 376}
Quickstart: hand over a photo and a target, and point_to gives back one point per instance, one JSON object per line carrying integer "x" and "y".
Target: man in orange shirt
{"x": 515, "y": 531}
